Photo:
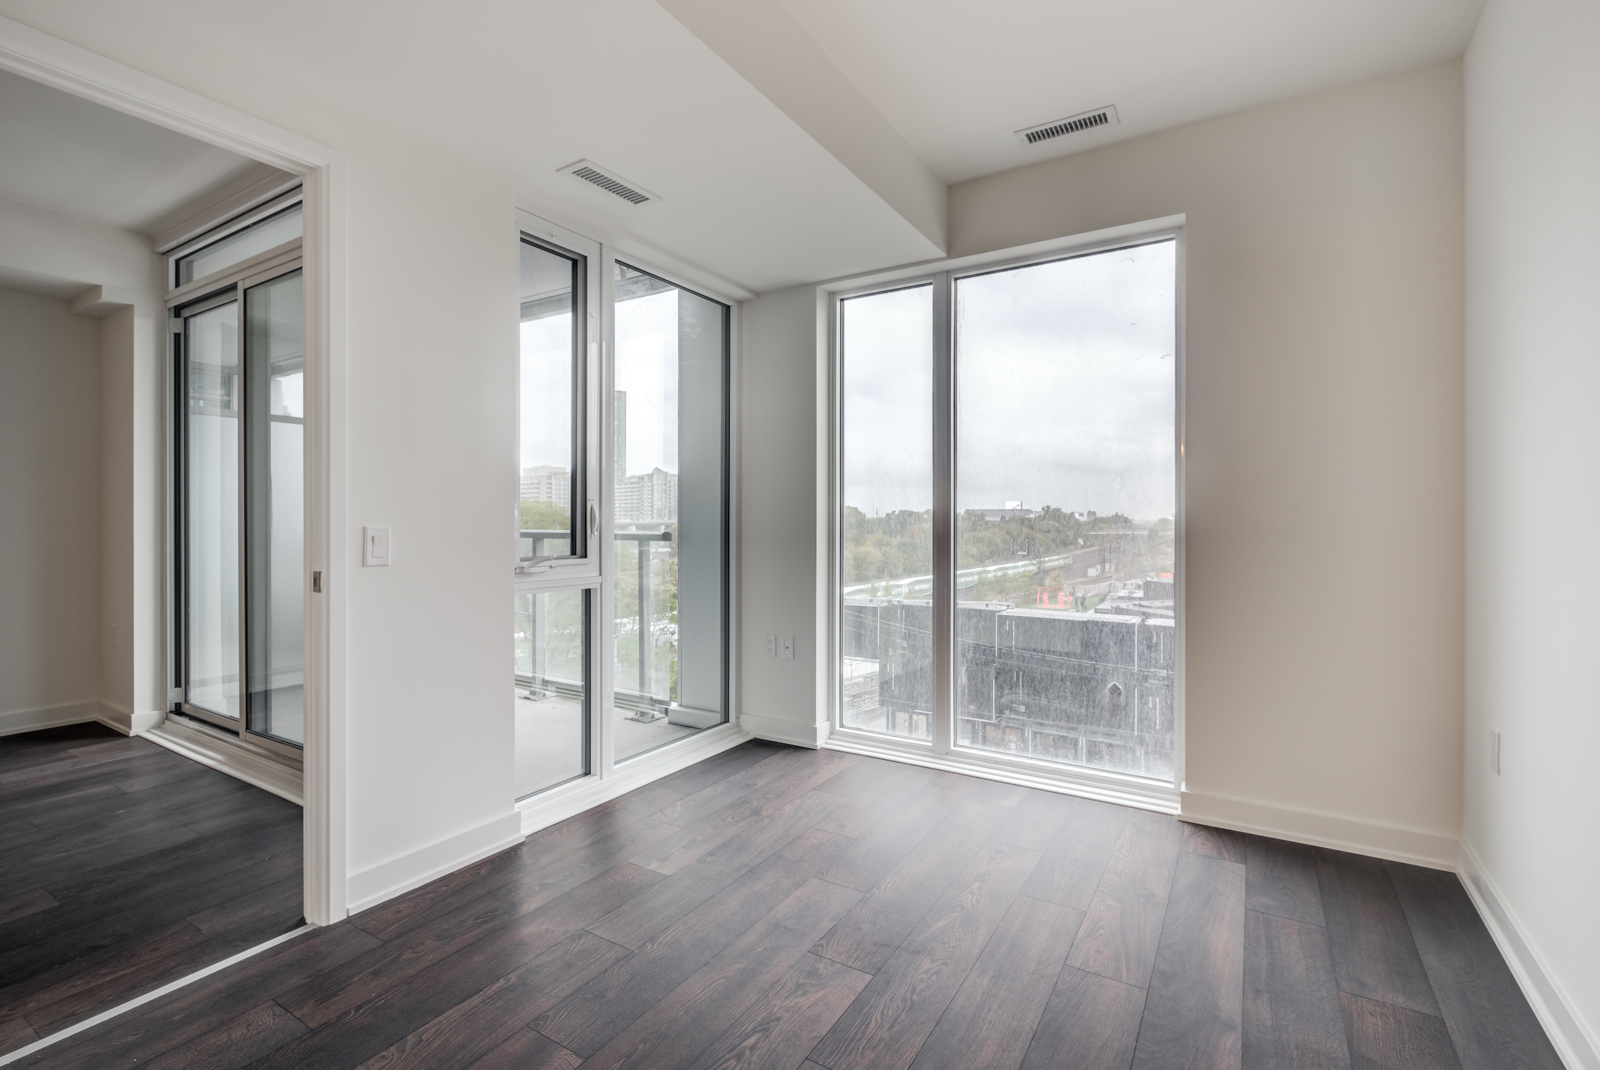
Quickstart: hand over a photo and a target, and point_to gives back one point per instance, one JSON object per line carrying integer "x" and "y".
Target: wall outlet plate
{"x": 786, "y": 647}
{"x": 772, "y": 646}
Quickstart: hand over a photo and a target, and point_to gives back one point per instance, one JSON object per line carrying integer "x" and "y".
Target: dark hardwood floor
{"x": 124, "y": 866}
{"x": 781, "y": 908}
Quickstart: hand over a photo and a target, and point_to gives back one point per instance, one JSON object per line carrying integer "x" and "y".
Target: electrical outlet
{"x": 786, "y": 647}
{"x": 772, "y": 646}
{"x": 1494, "y": 752}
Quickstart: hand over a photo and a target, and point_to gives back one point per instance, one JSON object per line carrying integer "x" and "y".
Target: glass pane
{"x": 886, "y": 570}
{"x": 552, "y": 736}
{"x": 274, "y": 473}
{"x": 241, "y": 245}
{"x": 1066, "y": 499}
{"x": 669, "y": 476}
{"x": 211, "y": 510}
{"x": 552, "y": 350}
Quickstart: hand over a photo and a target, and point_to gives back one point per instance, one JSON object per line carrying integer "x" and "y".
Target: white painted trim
{"x": 781, "y": 730}
{"x": 1000, "y": 257}
{"x": 151, "y": 996}
{"x": 1124, "y": 791}
{"x": 126, "y": 721}
{"x": 1578, "y": 1045}
{"x": 561, "y": 802}
{"x": 1376, "y": 839}
{"x": 255, "y": 187}
{"x": 75, "y": 70}
{"x": 15, "y": 722}
{"x": 227, "y": 754}
{"x": 413, "y": 869}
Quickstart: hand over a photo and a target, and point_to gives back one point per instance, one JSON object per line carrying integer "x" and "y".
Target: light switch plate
{"x": 375, "y": 542}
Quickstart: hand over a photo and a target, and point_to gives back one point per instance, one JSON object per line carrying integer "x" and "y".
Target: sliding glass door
{"x": 239, "y": 527}
{"x": 1008, "y": 478}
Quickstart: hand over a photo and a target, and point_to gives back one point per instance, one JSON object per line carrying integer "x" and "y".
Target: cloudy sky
{"x": 1065, "y": 389}
{"x": 647, "y": 368}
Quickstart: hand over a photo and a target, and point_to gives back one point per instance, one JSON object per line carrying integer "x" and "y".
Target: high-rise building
{"x": 547, "y": 483}
{"x": 652, "y": 495}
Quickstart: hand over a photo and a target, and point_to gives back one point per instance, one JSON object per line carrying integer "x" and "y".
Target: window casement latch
{"x": 534, "y": 564}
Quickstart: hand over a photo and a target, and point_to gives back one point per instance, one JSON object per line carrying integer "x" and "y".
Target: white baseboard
{"x": 126, "y": 721}
{"x": 414, "y": 869}
{"x": 1393, "y": 842}
{"x": 228, "y": 755}
{"x": 1577, "y": 1045}
{"x": 779, "y": 730}
{"x": 562, "y": 802}
{"x": 15, "y": 722}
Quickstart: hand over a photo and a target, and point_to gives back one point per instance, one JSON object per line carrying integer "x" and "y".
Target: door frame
{"x": 322, "y": 170}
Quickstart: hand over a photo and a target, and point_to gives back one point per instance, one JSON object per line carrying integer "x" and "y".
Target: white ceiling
{"x": 957, "y": 77}
{"x": 750, "y": 190}
{"x": 529, "y": 86}
{"x": 69, "y": 155}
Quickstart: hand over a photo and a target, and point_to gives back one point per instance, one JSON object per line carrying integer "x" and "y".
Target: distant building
{"x": 547, "y": 483}
{"x": 1085, "y": 688}
{"x": 1011, "y": 511}
{"x": 651, "y": 496}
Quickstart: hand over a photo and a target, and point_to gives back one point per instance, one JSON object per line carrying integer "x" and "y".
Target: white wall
{"x": 49, "y": 512}
{"x": 429, "y": 403}
{"x": 1324, "y": 437}
{"x": 118, "y": 280}
{"x": 781, "y": 520}
{"x": 1533, "y": 498}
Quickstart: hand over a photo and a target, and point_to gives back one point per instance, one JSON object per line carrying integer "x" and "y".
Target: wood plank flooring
{"x": 124, "y": 866}
{"x": 787, "y": 909}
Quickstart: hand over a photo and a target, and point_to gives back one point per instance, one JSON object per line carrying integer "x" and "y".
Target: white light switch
{"x": 786, "y": 646}
{"x": 375, "y": 545}
{"x": 772, "y": 646}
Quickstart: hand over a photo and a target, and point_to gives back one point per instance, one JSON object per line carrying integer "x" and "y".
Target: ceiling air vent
{"x": 595, "y": 175}
{"x": 1072, "y": 124}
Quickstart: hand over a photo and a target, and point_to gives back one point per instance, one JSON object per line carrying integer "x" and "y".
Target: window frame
{"x": 582, "y": 569}
{"x": 608, "y": 777}
{"x": 942, "y": 751}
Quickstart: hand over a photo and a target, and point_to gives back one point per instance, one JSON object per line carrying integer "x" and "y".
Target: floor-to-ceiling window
{"x": 670, "y": 510}
{"x": 238, "y": 338}
{"x": 1008, "y": 480}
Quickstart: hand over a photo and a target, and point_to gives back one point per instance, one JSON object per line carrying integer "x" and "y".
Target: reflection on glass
{"x": 241, "y": 245}
{"x": 274, "y": 550}
{"x": 551, "y": 405}
{"x": 552, "y": 680}
{"x": 1066, "y": 492}
{"x": 211, "y": 509}
{"x": 670, "y": 408}
{"x": 886, "y": 570}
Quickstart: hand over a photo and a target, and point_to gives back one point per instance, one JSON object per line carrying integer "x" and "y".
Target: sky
{"x": 646, "y": 367}
{"x": 1066, "y": 389}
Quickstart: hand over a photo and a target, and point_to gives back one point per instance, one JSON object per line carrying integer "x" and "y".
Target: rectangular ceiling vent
{"x": 595, "y": 175}
{"x": 1072, "y": 124}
